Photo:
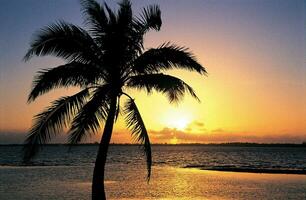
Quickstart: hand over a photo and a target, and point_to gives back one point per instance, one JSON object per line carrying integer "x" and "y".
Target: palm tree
{"x": 103, "y": 62}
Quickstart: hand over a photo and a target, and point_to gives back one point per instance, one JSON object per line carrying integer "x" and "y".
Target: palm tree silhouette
{"x": 103, "y": 62}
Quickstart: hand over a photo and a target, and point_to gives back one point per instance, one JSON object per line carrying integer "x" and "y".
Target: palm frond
{"x": 66, "y": 41}
{"x": 111, "y": 15}
{"x": 51, "y": 121}
{"x": 88, "y": 120}
{"x": 117, "y": 109}
{"x": 150, "y": 18}
{"x": 125, "y": 13}
{"x": 139, "y": 131}
{"x": 71, "y": 74}
{"x": 166, "y": 57}
{"x": 173, "y": 87}
{"x": 95, "y": 17}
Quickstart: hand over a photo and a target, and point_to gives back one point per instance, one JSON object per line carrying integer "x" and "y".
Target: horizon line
{"x": 208, "y": 144}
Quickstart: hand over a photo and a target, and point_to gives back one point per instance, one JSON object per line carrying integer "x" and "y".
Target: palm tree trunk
{"x": 98, "y": 192}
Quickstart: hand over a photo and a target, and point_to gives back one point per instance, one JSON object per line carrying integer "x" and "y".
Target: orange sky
{"x": 255, "y": 90}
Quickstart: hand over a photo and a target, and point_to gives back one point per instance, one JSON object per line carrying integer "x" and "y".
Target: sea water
{"x": 60, "y": 173}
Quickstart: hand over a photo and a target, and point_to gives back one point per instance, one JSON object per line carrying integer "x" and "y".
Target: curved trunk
{"x": 98, "y": 192}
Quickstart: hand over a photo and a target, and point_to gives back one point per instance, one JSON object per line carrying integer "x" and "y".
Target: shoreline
{"x": 249, "y": 170}
{"x": 198, "y": 167}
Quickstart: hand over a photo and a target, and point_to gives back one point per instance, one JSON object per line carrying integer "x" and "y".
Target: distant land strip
{"x": 249, "y": 170}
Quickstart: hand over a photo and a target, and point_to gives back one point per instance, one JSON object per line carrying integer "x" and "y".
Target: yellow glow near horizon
{"x": 174, "y": 140}
{"x": 179, "y": 123}
{"x": 175, "y": 118}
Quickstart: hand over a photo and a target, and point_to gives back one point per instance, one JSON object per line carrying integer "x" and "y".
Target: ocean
{"x": 179, "y": 172}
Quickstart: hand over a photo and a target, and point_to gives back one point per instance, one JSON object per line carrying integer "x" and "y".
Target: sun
{"x": 178, "y": 123}
{"x": 178, "y": 119}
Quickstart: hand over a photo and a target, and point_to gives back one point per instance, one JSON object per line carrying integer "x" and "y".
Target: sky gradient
{"x": 253, "y": 50}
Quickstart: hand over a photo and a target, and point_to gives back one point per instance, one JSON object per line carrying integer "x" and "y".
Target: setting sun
{"x": 178, "y": 123}
{"x": 176, "y": 118}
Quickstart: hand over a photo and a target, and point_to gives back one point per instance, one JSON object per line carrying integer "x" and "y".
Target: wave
{"x": 249, "y": 169}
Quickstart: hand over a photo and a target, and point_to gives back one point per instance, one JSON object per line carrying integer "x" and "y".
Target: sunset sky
{"x": 253, "y": 50}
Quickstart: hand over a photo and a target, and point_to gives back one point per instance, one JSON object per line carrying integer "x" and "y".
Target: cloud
{"x": 197, "y": 123}
{"x": 8, "y": 137}
{"x": 196, "y": 126}
{"x": 12, "y": 137}
{"x": 218, "y": 130}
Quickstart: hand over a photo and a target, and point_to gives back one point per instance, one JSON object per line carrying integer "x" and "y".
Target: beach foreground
{"x": 72, "y": 182}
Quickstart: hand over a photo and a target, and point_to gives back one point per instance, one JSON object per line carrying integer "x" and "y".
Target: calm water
{"x": 61, "y": 174}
